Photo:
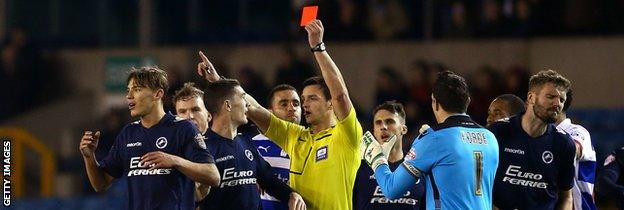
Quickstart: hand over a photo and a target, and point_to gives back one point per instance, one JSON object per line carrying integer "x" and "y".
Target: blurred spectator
{"x": 419, "y": 88}
{"x": 23, "y": 74}
{"x": 417, "y": 108}
{"x": 459, "y": 24}
{"x": 390, "y": 86}
{"x": 253, "y": 83}
{"x": 491, "y": 24}
{"x": 292, "y": 70}
{"x": 517, "y": 81}
{"x": 387, "y": 19}
{"x": 521, "y": 20}
{"x": 345, "y": 18}
{"x": 485, "y": 86}
{"x": 175, "y": 83}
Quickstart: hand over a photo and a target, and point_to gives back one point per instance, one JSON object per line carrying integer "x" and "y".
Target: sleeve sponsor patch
{"x": 412, "y": 169}
{"x": 200, "y": 141}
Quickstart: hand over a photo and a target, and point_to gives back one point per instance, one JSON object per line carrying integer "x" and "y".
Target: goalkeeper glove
{"x": 373, "y": 153}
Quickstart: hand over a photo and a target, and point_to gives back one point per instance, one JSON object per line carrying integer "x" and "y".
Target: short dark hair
{"x": 317, "y": 80}
{"x": 392, "y": 107}
{"x": 451, "y": 91}
{"x": 548, "y": 76}
{"x": 568, "y": 101}
{"x": 150, "y": 77}
{"x": 277, "y": 89}
{"x": 218, "y": 92}
{"x": 514, "y": 103}
{"x": 187, "y": 91}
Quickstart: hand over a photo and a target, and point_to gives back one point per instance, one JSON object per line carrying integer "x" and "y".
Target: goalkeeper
{"x": 457, "y": 158}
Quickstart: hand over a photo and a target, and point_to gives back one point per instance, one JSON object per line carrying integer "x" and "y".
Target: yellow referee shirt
{"x": 322, "y": 165}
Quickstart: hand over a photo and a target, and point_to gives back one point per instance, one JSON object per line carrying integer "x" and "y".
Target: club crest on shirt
{"x": 249, "y": 155}
{"x": 321, "y": 153}
{"x": 547, "y": 157}
{"x": 609, "y": 159}
{"x": 200, "y": 141}
{"x": 161, "y": 142}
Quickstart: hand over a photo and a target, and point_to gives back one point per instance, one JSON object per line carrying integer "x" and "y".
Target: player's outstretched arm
{"x": 258, "y": 114}
{"x": 394, "y": 184}
{"x": 205, "y": 173}
{"x": 331, "y": 74}
{"x": 100, "y": 181}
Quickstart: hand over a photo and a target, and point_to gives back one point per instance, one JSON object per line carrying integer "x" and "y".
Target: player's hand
{"x": 88, "y": 143}
{"x": 201, "y": 191}
{"x": 373, "y": 151}
{"x": 296, "y": 202}
{"x": 423, "y": 128}
{"x": 315, "y": 32}
{"x": 206, "y": 70}
{"x": 158, "y": 159}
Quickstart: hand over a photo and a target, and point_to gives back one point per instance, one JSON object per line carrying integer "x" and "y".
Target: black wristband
{"x": 320, "y": 47}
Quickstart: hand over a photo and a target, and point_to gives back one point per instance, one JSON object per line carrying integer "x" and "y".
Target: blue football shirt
{"x": 242, "y": 171}
{"x": 458, "y": 159}
{"x": 531, "y": 171}
{"x": 165, "y": 188}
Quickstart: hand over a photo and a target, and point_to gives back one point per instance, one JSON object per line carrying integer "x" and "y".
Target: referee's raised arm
{"x": 341, "y": 102}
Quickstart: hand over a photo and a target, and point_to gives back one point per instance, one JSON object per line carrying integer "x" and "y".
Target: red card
{"x": 308, "y": 14}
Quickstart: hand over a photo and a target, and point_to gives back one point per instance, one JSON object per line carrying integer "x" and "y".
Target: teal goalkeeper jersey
{"x": 458, "y": 161}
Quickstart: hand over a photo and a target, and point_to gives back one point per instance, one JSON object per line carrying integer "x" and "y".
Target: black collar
{"x": 459, "y": 120}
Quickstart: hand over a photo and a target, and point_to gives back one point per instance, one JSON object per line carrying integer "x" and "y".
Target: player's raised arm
{"x": 331, "y": 74}
{"x": 100, "y": 181}
{"x": 258, "y": 114}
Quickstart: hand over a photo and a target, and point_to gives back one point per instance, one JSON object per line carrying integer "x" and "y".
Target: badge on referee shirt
{"x": 321, "y": 153}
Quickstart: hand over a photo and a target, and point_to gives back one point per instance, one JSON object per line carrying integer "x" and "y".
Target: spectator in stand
{"x": 387, "y": 19}
{"x": 253, "y": 82}
{"x": 292, "y": 70}
{"x": 517, "y": 80}
{"x": 390, "y": 86}
{"x": 485, "y": 87}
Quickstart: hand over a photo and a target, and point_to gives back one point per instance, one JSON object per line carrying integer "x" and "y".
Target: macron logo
{"x": 134, "y": 144}
{"x": 515, "y": 151}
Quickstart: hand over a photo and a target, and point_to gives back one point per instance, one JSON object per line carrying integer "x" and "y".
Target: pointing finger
{"x": 203, "y": 57}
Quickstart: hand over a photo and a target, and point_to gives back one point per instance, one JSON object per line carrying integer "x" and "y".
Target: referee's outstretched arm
{"x": 341, "y": 102}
